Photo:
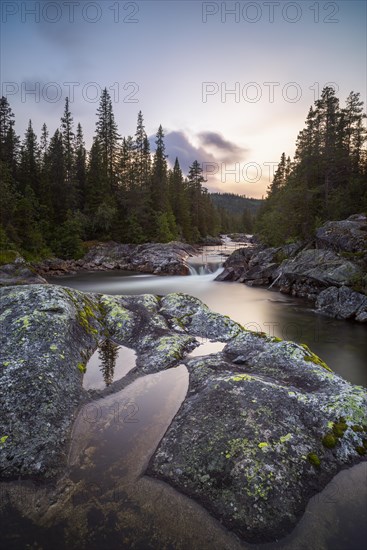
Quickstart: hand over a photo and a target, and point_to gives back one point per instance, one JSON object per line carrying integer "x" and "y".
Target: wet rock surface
{"x": 336, "y": 258}
{"x": 49, "y": 333}
{"x": 265, "y": 423}
{"x": 19, "y": 273}
{"x": 160, "y": 259}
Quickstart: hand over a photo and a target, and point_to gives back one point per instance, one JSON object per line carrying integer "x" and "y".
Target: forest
{"x": 327, "y": 178}
{"x": 57, "y": 197}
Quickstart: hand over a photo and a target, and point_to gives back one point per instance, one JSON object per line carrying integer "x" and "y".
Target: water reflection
{"x": 109, "y": 363}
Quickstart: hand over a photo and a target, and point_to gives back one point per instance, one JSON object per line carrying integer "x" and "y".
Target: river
{"x": 106, "y": 502}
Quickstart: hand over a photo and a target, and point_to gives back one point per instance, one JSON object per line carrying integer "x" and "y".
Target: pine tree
{"x": 56, "y": 172}
{"x": 80, "y": 168}
{"x": 179, "y": 202}
{"x": 9, "y": 141}
{"x": 158, "y": 187}
{"x": 141, "y": 164}
{"x": 29, "y": 169}
{"x": 108, "y": 137}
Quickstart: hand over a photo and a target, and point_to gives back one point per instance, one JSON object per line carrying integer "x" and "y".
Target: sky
{"x": 230, "y": 82}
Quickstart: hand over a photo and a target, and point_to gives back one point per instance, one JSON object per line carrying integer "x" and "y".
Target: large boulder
{"x": 47, "y": 335}
{"x": 313, "y": 270}
{"x": 342, "y": 303}
{"x": 19, "y": 273}
{"x": 265, "y": 424}
{"x": 345, "y": 235}
{"x": 160, "y": 259}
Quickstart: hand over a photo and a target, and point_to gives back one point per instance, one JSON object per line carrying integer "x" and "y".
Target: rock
{"x": 19, "y": 273}
{"x": 345, "y": 235}
{"x": 264, "y": 426}
{"x": 301, "y": 270}
{"x": 342, "y": 303}
{"x": 240, "y": 238}
{"x": 47, "y": 332}
{"x": 265, "y": 423}
{"x": 227, "y": 274}
{"x": 319, "y": 268}
{"x": 160, "y": 259}
{"x": 211, "y": 241}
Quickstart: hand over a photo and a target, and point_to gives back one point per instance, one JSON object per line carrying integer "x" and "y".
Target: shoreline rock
{"x": 19, "y": 273}
{"x": 265, "y": 423}
{"x": 337, "y": 258}
{"x": 156, "y": 258}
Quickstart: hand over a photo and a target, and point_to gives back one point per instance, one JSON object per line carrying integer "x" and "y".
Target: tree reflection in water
{"x": 107, "y": 353}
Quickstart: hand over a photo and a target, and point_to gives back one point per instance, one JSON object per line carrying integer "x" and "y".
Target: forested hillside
{"x": 326, "y": 180}
{"x": 237, "y": 212}
{"x": 55, "y": 194}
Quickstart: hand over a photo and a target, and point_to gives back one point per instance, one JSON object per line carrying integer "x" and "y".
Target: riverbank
{"x": 329, "y": 271}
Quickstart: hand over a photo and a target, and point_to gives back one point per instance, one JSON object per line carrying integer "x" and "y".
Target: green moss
{"x": 355, "y": 427}
{"x": 3, "y": 439}
{"x": 361, "y": 450}
{"x": 329, "y": 441}
{"x": 84, "y": 317}
{"x": 339, "y": 428}
{"x": 285, "y": 438}
{"x": 263, "y": 444}
{"x": 314, "y": 459}
{"x": 24, "y": 320}
{"x": 313, "y": 358}
{"x": 82, "y": 367}
{"x": 8, "y": 256}
{"x": 275, "y": 339}
{"x": 53, "y": 347}
{"x": 241, "y": 378}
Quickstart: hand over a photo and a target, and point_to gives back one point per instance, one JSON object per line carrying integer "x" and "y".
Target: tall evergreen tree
{"x": 80, "y": 167}
{"x": 108, "y": 137}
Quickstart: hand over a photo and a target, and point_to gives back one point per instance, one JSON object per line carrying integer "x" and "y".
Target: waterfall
{"x": 204, "y": 269}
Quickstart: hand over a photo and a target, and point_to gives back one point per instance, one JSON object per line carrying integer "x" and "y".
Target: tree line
{"x": 57, "y": 195}
{"x": 327, "y": 178}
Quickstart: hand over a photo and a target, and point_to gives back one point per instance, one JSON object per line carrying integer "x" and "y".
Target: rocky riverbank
{"x": 157, "y": 258}
{"x": 329, "y": 271}
{"x": 265, "y": 423}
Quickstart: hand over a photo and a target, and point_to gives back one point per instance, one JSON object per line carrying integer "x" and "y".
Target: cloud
{"x": 226, "y": 149}
{"x": 212, "y": 148}
{"x": 178, "y": 145}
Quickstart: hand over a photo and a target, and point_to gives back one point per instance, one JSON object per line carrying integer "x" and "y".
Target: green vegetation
{"x": 237, "y": 213}
{"x": 314, "y": 459}
{"x": 3, "y": 439}
{"x": 329, "y": 441}
{"x": 313, "y": 358}
{"x": 82, "y": 368}
{"x": 56, "y": 196}
{"x": 327, "y": 178}
{"x": 7, "y": 256}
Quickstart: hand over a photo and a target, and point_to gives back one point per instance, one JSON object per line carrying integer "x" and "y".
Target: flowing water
{"x": 105, "y": 501}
